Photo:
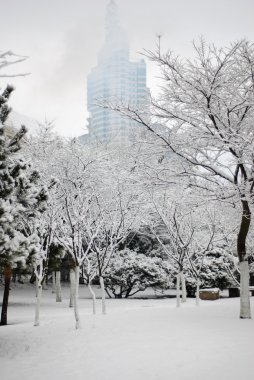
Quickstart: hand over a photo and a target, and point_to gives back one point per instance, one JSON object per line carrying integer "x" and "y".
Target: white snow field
{"x": 137, "y": 340}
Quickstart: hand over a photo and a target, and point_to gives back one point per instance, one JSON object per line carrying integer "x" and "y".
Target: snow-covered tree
{"x": 56, "y": 254}
{"x": 117, "y": 213}
{"x": 174, "y": 231}
{"x": 76, "y": 232}
{"x": 21, "y": 196}
{"x": 205, "y": 113}
{"x": 185, "y": 231}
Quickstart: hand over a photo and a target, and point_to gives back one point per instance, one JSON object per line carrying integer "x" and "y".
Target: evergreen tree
{"x": 20, "y": 197}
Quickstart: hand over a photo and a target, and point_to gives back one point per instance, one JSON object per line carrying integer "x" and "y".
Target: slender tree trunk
{"x": 93, "y": 297}
{"x": 53, "y": 282}
{"x": 183, "y": 284}
{"x": 103, "y": 295}
{"x": 38, "y": 304}
{"x": 245, "y": 311}
{"x": 178, "y": 279}
{"x": 197, "y": 292}
{"x": 7, "y": 281}
{"x": 72, "y": 287}
{"x": 36, "y": 287}
{"x": 58, "y": 287}
{"x": 76, "y": 295}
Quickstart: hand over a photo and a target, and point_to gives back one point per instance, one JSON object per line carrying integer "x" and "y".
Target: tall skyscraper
{"x": 115, "y": 78}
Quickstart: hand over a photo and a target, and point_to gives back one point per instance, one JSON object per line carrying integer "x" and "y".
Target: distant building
{"x": 115, "y": 78}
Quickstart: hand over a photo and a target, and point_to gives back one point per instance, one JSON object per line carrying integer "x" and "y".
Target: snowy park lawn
{"x": 137, "y": 340}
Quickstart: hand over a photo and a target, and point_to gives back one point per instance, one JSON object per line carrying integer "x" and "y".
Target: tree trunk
{"x": 183, "y": 284}
{"x": 7, "y": 281}
{"x": 245, "y": 311}
{"x": 14, "y": 276}
{"x": 103, "y": 295}
{"x": 38, "y": 304}
{"x": 58, "y": 287}
{"x": 76, "y": 295}
{"x": 178, "y": 304}
{"x": 93, "y": 297}
{"x": 36, "y": 286}
{"x": 53, "y": 282}
{"x": 32, "y": 278}
{"x": 197, "y": 293}
{"x": 72, "y": 287}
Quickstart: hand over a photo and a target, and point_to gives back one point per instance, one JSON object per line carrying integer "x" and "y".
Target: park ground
{"x": 138, "y": 339}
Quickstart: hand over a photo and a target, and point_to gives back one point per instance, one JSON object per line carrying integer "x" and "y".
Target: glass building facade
{"x": 115, "y": 79}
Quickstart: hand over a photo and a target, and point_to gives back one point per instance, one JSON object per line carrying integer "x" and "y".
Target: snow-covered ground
{"x": 137, "y": 340}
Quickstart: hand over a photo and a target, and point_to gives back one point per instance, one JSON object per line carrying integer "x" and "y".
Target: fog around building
{"x": 63, "y": 38}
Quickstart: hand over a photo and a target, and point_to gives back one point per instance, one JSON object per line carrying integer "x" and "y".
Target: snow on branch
{"x": 8, "y": 58}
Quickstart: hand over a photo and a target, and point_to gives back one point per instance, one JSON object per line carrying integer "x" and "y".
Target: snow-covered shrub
{"x": 215, "y": 273}
{"x": 129, "y": 273}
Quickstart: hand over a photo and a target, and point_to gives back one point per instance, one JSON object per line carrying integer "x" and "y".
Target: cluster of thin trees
{"x": 205, "y": 115}
{"x": 188, "y": 176}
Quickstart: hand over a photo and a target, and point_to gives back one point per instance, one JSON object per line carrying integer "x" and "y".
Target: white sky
{"x": 63, "y": 37}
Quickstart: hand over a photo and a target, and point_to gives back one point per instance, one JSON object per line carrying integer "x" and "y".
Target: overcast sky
{"x": 62, "y": 39}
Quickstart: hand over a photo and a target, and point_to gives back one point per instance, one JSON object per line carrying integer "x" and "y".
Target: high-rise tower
{"x": 114, "y": 78}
